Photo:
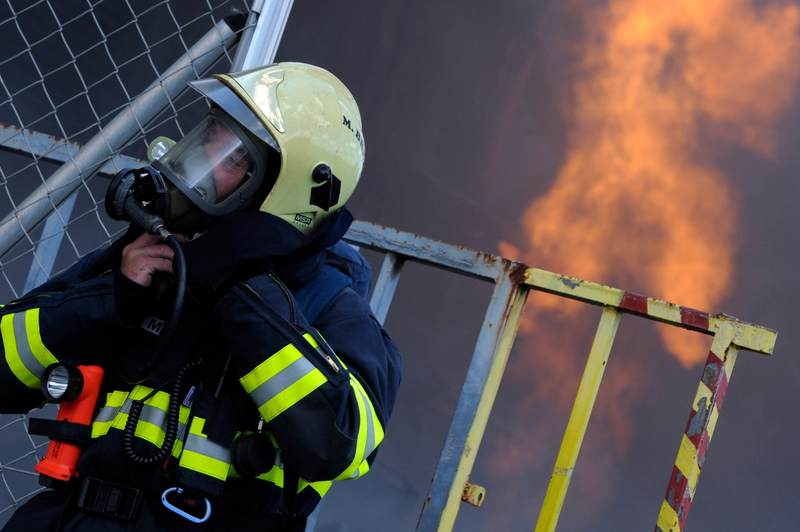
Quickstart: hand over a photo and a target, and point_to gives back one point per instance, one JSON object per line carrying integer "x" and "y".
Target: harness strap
{"x": 65, "y": 431}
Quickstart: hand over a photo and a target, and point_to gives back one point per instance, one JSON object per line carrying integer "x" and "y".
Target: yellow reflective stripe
{"x": 291, "y": 395}
{"x": 282, "y": 380}
{"x": 274, "y": 475}
{"x": 25, "y": 353}
{"x": 370, "y": 433}
{"x": 204, "y": 463}
{"x": 273, "y": 365}
{"x": 12, "y": 355}
{"x": 310, "y": 339}
{"x": 320, "y": 487}
{"x": 160, "y": 400}
{"x": 146, "y": 430}
{"x": 42, "y": 354}
{"x": 352, "y": 470}
{"x": 376, "y": 422}
{"x": 105, "y": 418}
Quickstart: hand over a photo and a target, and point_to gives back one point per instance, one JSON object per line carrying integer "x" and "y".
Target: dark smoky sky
{"x": 465, "y": 109}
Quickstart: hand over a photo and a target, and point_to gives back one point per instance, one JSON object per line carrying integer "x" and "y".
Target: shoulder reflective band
{"x": 370, "y": 433}
{"x": 282, "y": 380}
{"x": 204, "y": 456}
{"x": 26, "y": 354}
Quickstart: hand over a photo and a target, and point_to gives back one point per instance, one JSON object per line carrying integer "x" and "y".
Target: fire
{"x": 640, "y": 202}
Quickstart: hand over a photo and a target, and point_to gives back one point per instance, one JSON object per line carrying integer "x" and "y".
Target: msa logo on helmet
{"x": 303, "y": 220}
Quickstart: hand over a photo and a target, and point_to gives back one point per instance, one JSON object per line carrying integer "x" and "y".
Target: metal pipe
{"x": 578, "y": 420}
{"x": 121, "y": 130}
{"x": 54, "y": 149}
{"x": 247, "y": 35}
{"x": 385, "y": 286}
{"x": 266, "y": 36}
{"x": 474, "y": 404}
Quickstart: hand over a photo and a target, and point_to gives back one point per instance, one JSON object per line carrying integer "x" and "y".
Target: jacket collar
{"x": 261, "y": 237}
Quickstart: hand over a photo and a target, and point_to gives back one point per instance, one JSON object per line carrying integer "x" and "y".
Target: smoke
{"x": 640, "y": 202}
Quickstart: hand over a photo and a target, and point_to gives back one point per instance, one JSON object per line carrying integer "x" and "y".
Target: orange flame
{"x": 638, "y": 202}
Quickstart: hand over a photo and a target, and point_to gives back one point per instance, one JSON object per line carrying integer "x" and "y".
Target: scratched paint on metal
{"x": 473, "y": 494}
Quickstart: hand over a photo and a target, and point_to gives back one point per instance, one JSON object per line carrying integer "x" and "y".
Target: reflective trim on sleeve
{"x": 370, "y": 433}
{"x": 282, "y": 380}
{"x": 25, "y": 352}
{"x": 320, "y": 487}
{"x": 204, "y": 456}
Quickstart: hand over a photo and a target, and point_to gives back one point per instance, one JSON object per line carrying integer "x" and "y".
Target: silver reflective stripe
{"x": 150, "y": 414}
{"x": 370, "y": 445}
{"x": 23, "y": 346}
{"x": 153, "y": 415}
{"x": 204, "y": 446}
{"x": 108, "y": 413}
{"x": 284, "y": 379}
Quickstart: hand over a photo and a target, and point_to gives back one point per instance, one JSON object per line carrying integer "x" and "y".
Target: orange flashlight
{"x": 77, "y": 389}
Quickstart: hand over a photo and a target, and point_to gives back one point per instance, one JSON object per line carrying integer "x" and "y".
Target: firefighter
{"x": 276, "y": 379}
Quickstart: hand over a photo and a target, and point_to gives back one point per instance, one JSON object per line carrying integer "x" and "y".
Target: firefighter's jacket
{"x": 325, "y": 408}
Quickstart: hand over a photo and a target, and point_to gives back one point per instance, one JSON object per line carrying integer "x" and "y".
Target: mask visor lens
{"x": 211, "y": 161}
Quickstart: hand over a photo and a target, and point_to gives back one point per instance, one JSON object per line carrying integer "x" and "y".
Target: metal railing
{"x": 513, "y": 281}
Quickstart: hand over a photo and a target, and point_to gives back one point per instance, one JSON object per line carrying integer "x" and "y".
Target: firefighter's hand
{"x": 144, "y": 258}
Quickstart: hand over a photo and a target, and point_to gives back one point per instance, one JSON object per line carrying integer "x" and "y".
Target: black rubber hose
{"x": 171, "y": 432}
{"x": 165, "y": 340}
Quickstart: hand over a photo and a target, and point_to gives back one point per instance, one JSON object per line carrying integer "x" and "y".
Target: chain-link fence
{"x": 86, "y": 86}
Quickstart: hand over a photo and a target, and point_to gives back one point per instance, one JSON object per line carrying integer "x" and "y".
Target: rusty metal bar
{"x": 578, "y": 420}
{"x": 475, "y": 402}
{"x": 426, "y": 250}
{"x": 699, "y": 430}
{"x": 747, "y": 336}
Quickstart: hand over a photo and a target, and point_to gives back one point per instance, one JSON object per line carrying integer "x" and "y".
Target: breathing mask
{"x": 214, "y": 170}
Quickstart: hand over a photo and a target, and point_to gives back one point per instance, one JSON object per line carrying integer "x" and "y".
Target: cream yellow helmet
{"x": 307, "y": 115}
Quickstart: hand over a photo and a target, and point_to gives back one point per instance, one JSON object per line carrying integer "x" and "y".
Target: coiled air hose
{"x": 165, "y": 340}
{"x": 171, "y": 432}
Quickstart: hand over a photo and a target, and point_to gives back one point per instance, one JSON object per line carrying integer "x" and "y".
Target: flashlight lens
{"x": 57, "y": 382}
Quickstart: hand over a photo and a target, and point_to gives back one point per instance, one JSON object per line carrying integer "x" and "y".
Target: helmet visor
{"x": 211, "y": 164}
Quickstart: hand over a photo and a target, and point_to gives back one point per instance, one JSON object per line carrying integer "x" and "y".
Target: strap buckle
{"x": 109, "y": 499}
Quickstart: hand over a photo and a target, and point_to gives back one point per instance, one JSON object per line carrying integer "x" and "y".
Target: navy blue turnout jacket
{"x": 322, "y": 392}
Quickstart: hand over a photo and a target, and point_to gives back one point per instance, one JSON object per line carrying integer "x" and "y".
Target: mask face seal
{"x": 215, "y": 165}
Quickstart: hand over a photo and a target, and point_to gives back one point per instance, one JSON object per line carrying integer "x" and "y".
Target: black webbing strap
{"x": 289, "y": 521}
{"x": 65, "y": 431}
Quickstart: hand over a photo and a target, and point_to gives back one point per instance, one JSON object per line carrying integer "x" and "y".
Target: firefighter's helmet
{"x": 300, "y": 113}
